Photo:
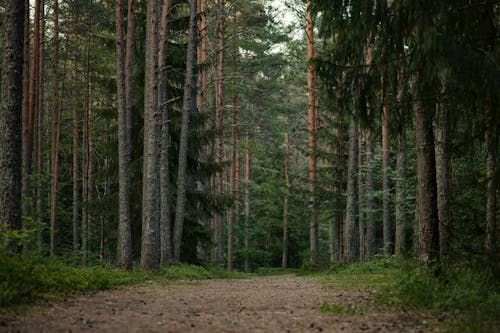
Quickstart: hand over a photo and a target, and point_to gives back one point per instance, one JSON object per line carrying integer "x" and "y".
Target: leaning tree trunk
{"x": 10, "y": 114}
{"x": 150, "y": 251}
{"x": 189, "y": 104}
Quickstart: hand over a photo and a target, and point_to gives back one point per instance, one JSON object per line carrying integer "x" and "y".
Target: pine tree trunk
{"x": 401, "y": 223}
{"x": 248, "y": 174}
{"x": 150, "y": 250}
{"x": 491, "y": 183}
{"x": 388, "y": 228}
{"x": 166, "y": 254}
{"x": 76, "y": 166}
{"x": 361, "y": 198}
{"x": 338, "y": 236}
{"x": 371, "y": 226}
{"x": 284, "y": 263}
{"x": 124, "y": 238}
{"x": 313, "y": 223}
{"x": 351, "y": 230}
{"x": 56, "y": 131}
{"x": 401, "y": 243}
{"x": 26, "y": 110}
{"x": 443, "y": 165}
{"x": 188, "y": 107}
{"x": 428, "y": 245}
{"x": 10, "y": 114}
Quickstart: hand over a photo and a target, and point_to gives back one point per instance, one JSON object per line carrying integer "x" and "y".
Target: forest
{"x": 158, "y": 140}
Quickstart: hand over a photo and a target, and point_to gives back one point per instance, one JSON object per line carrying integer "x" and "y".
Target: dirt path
{"x": 267, "y": 304}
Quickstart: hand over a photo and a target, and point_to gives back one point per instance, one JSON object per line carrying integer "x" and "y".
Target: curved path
{"x": 266, "y": 304}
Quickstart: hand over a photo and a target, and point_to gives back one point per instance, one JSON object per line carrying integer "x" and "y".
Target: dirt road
{"x": 265, "y": 304}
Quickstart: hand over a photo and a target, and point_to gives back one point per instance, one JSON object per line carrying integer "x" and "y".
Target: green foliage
{"x": 26, "y": 277}
{"x": 470, "y": 296}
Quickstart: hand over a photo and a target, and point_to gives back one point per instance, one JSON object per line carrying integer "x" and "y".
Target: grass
{"x": 468, "y": 297}
{"x": 25, "y": 278}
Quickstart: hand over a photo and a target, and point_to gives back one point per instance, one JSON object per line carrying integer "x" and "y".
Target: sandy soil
{"x": 265, "y": 304}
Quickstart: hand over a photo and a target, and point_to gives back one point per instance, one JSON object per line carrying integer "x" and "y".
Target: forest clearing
{"x": 160, "y": 160}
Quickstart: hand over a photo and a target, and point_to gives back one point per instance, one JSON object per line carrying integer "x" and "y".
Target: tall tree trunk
{"x": 29, "y": 117}
{"x": 26, "y": 110}
{"x": 189, "y": 105}
{"x": 248, "y": 175}
{"x": 219, "y": 101}
{"x": 284, "y": 263}
{"x": 388, "y": 228}
{"x": 150, "y": 256}
{"x": 56, "y": 130}
{"x": 313, "y": 222}
{"x": 361, "y": 197}
{"x": 76, "y": 164}
{"x": 428, "y": 245}
{"x": 10, "y": 114}
{"x": 337, "y": 251}
{"x": 401, "y": 243}
{"x": 491, "y": 183}
{"x": 166, "y": 254}
{"x": 351, "y": 239}
{"x": 124, "y": 56}
{"x": 443, "y": 165}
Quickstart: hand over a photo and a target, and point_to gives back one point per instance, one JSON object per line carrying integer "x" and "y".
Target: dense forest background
{"x": 207, "y": 132}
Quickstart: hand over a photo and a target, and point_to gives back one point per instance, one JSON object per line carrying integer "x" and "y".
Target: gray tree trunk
{"x": 189, "y": 103}
{"x": 166, "y": 254}
{"x": 248, "y": 174}
{"x": 124, "y": 241}
{"x": 371, "y": 226}
{"x": 10, "y": 114}
{"x": 362, "y": 223}
{"x": 150, "y": 250}
{"x": 388, "y": 227}
{"x": 351, "y": 230}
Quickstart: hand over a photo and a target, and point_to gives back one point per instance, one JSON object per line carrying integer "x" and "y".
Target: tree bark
{"x": 443, "y": 166}
{"x": 123, "y": 74}
{"x": 284, "y": 263}
{"x": 313, "y": 223}
{"x": 491, "y": 183}
{"x": 76, "y": 166}
{"x": 10, "y": 114}
{"x": 150, "y": 251}
{"x": 351, "y": 239}
{"x": 362, "y": 223}
{"x": 428, "y": 245}
{"x": 401, "y": 243}
{"x": 189, "y": 104}
{"x": 248, "y": 175}
{"x": 387, "y": 223}
{"x": 166, "y": 254}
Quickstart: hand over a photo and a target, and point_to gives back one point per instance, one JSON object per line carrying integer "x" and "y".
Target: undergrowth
{"x": 24, "y": 278}
{"x": 469, "y": 297}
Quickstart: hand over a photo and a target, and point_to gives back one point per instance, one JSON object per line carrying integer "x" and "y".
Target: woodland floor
{"x": 283, "y": 303}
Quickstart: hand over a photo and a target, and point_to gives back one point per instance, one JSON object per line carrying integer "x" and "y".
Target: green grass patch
{"x": 24, "y": 278}
{"x": 469, "y": 297}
